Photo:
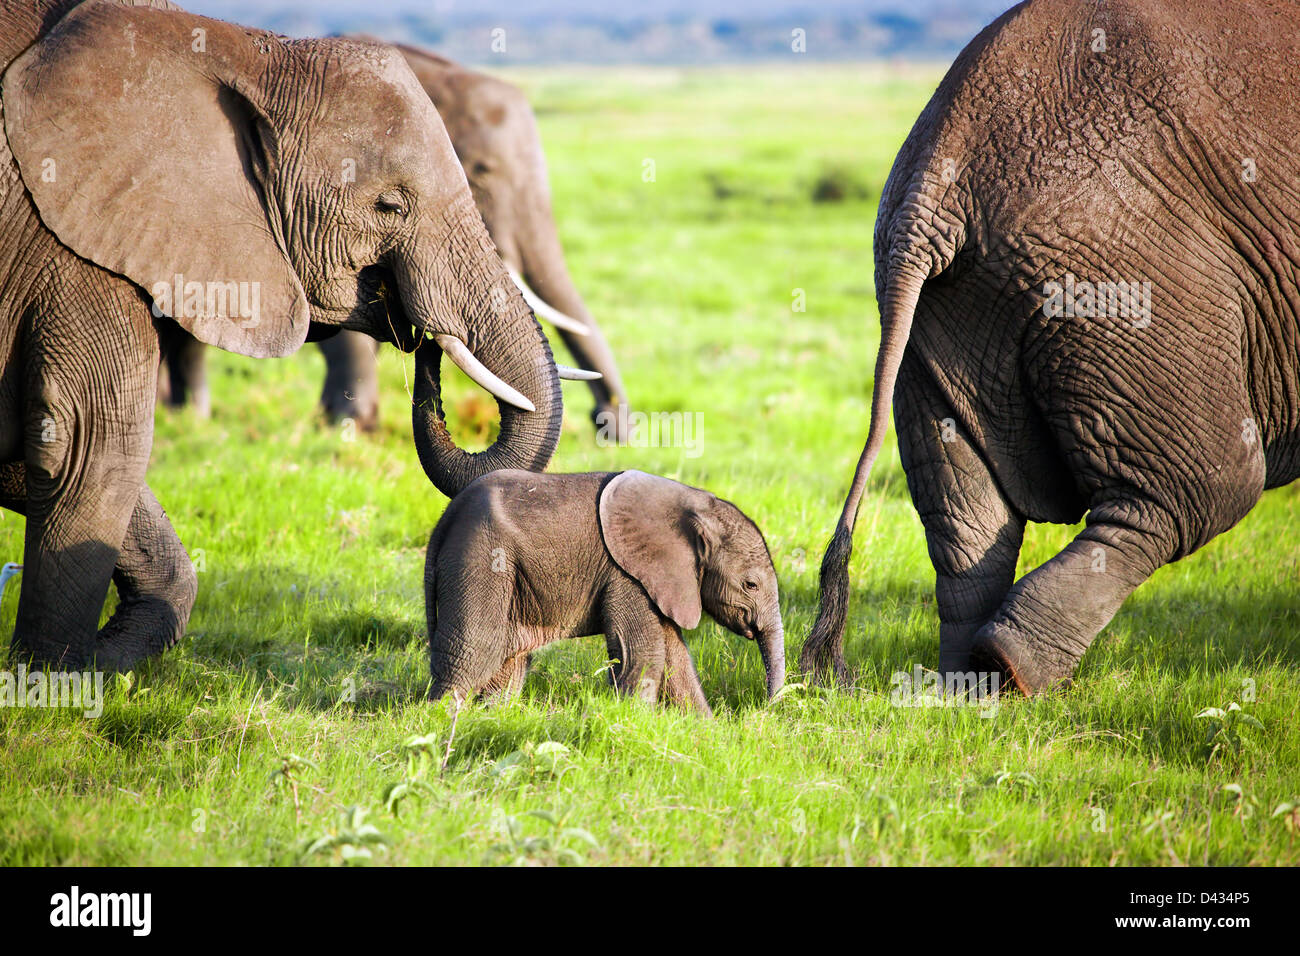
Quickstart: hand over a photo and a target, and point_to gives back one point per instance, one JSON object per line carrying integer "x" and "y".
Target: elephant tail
{"x": 821, "y": 653}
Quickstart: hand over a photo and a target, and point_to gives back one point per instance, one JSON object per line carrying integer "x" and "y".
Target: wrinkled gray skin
{"x": 131, "y": 158}
{"x": 494, "y": 134}
{"x": 1042, "y": 155}
{"x": 519, "y": 560}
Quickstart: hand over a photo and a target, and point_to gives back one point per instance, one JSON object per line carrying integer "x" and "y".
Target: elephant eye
{"x": 392, "y": 204}
{"x": 480, "y": 169}
{"x": 751, "y": 585}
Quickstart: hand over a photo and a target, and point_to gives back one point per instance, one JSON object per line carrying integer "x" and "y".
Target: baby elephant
{"x": 521, "y": 559}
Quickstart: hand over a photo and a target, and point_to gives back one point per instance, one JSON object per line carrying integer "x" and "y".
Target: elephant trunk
{"x": 771, "y": 644}
{"x": 498, "y": 331}
{"x": 544, "y": 269}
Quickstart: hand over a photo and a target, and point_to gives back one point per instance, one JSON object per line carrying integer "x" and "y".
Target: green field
{"x": 241, "y": 746}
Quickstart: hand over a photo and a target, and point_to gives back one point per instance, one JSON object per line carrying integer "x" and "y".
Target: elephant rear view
{"x": 1086, "y": 263}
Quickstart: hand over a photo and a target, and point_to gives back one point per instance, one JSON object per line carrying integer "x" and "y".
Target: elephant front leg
{"x": 637, "y": 649}
{"x": 78, "y": 509}
{"x": 155, "y": 581}
{"x": 681, "y": 684}
{"x": 90, "y": 354}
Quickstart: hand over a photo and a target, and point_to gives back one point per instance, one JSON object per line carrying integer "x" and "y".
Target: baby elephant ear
{"x": 139, "y": 136}
{"x": 649, "y": 527}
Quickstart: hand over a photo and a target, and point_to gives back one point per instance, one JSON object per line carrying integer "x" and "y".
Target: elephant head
{"x": 255, "y": 186}
{"x": 692, "y": 551}
{"x": 494, "y": 133}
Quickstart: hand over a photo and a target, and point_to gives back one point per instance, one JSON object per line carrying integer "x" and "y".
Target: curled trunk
{"x": 501, "y": 332}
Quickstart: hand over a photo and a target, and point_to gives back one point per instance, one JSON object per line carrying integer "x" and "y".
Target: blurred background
{"x": 664, "y": 31}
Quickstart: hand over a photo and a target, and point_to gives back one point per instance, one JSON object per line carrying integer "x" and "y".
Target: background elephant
{"x": 494, "y": 134}
{"x": 203, "y": 168}
{"x": 519, "y": 560}
{"x": 1086, "y": 261}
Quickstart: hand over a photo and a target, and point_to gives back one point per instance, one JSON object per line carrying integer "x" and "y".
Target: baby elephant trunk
{"x": 771, "y": 644}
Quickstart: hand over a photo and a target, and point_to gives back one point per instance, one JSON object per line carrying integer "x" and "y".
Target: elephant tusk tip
{"x": 459, "y": 352}
{"x": 577, "y": 374}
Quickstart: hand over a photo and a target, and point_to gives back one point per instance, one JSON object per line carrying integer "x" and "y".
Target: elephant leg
{"x": 1161, "y": 480}
{"x": 156, "y": 587}
{"x": 591, "y": 351}
{"x": 681, "y": 684}
{"x": 351, "y": 388}
{"x": 1052, "y": 614}
{"x": 465, "y": 661}
{"x": 972, "y": 533}
{"x": 508, "y": 682}
{"x": 155, "y": 580}
{"x": 185, "y": 359}
{"x": 636, "y": 638}
{"x": 88, "y": 434}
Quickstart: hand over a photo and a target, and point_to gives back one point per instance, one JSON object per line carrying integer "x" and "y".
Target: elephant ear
{"x": 652, "y": 529}
{"x": 138, "y": 134}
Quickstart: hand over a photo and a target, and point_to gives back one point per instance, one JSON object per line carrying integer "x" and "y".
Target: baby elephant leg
{"x": 508, "y": 681}
{"x": 681, "y": 684}
{"x": 638, "y": 652}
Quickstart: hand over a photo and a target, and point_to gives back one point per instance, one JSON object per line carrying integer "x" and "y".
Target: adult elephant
{"x": 494, "y": 134}
{"x": 1086, "y": 263}
{"x": 254, "y": 188}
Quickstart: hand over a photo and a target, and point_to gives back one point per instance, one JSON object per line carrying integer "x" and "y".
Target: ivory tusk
{"x": 459, "y": 353}
{"x": 577, "y": 374}
{"x": 565, "y": 323}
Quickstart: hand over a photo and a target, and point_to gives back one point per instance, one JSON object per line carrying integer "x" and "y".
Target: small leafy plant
{"x": 557, "y": 844}
{"x": 351, "y": 840}
{"x": 421, "y": 752}
{"x": 1226, "y": 724}
{"x": 546, "y": 760}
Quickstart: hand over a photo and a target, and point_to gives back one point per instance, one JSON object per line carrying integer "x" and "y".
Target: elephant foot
{"x": 366, "y": 418}
{"x": 1034, "y": 666}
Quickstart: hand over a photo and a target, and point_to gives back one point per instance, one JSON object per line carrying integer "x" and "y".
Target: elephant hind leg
{"x": 972, "y": 532}
{"x": 185, "y": 360}
{"x": 1053, "y": 614}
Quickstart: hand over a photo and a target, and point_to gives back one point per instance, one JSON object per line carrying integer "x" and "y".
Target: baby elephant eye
{"x": 393, "y": 204}
{"x": 751, "y": 585}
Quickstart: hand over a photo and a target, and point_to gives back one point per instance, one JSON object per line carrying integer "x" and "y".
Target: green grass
{"x": 311, "y": 553}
